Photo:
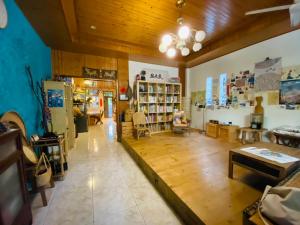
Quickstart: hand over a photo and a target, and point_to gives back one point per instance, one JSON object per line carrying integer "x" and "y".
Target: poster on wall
{"x": 268, "y": 74}
{"x": 291, "y": 72}
{"x": 290, "y": 92}
{"x": 55, "y": 98}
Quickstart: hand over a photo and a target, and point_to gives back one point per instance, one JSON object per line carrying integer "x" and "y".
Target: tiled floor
{"x": 103, "y": 186}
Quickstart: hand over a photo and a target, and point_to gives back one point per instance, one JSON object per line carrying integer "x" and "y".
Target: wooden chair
{"x": 139, "y": 124}
{"x": 180, "y": 123}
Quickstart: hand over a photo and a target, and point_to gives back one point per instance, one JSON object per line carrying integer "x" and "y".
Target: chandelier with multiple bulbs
{"x": 185, "y": 38}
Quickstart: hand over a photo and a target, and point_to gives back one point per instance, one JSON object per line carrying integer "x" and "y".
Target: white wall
{"x": 286, "y": 46}
{"x": 136, "y": 67}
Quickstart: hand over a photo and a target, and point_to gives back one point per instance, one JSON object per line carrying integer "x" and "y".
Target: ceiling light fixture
{"x": 93, "y": 27}
{"x": 184, "y": 38}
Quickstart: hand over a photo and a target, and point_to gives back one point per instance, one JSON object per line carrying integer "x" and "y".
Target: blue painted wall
{"x": 20, "y": 45}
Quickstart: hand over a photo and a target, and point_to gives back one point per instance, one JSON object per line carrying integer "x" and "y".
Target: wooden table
{"x": 254, "y": 134}
{"x": 271, "y": 169}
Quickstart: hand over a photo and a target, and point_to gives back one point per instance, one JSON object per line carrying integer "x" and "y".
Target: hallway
{"x": 103, "y": 186}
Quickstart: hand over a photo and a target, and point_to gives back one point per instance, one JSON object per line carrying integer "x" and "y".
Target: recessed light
{"x": 93, "y": 27}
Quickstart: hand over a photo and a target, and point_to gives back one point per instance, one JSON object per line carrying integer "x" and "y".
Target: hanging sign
{"x": 94, "y": 73}
{"x": 155, "y": 75}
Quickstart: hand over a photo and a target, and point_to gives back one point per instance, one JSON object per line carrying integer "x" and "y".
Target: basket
{"x": 43, "y": 171}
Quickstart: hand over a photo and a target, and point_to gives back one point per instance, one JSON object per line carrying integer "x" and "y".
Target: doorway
{"x": 108, "y": 104}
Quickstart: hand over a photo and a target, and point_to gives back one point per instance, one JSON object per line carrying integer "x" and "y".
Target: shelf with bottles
{"x": 161, "y": 88}
{"x": 143, "y": 98}
{"x": 143, "y": 87}
{"x": 169, "y": 108}
{"x": 177, "y": 89}
{"x": 161, "y": 98}
{"x": 159, "y": 127}
{"x": 152, "y": 98}
{"x": 152, "y": 108}
{"x": 151, "y": 118}
{"x": 161, "y": 108}
{"x": 143, "y": 108}
{"x": 169, "y": 117}
{"x": 169, "y": 89}
{"x": 175, "y": 99}
{"x": 169, "y": 99}
{"x": 152, "y": 88}
{"x": 161, "y": 118}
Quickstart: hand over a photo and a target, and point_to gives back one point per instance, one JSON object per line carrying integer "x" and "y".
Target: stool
{"x": 253, "y": 134}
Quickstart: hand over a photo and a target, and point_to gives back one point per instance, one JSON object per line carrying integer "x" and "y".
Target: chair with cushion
{"x": 140, "y": 124}
{"x": 180, "y": 123}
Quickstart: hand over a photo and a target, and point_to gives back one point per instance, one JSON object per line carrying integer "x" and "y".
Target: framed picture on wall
{"x": 290, "y": 92}
{"x": 123, "y": 97}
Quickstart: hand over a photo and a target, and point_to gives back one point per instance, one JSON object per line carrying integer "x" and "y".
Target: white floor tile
{"x": 103, "y": 186}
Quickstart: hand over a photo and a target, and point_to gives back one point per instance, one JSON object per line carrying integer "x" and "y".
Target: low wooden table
{"x": 271, "y": 169}
{"x": 254, "y": 134}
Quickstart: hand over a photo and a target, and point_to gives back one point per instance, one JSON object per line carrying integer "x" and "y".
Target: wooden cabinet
{"x": 212, "y": 130}
{"x": 127, "y": 129}
{"x": 228, "y": 133}
{"x": 14, "y": 202}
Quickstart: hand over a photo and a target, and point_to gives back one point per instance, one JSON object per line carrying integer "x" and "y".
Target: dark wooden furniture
{"x": 253, "y": 134}
{"x": 287, "y": 139}
{"x": 14, "y": 202}
{"x": 263, "y": 166}
{"x": 250, "y": 214}
{"x": 57, "y": 159}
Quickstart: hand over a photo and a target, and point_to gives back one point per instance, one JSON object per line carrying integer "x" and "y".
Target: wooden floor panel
{"x": 191, "y": 174}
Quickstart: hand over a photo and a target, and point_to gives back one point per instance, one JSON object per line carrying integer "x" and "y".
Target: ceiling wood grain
{"x": 133, "y": 28}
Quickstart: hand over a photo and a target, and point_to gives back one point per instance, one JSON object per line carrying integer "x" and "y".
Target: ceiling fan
{"x": 293, "y": 8}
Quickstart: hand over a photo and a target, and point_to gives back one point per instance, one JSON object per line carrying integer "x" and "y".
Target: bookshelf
{"x": 158, "y": 101}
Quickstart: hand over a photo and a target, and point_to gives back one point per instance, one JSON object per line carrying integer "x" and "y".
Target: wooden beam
{"x": 70, "y": 18}
{"x": 260, "y": 31}
{"x": 181, "y": 71}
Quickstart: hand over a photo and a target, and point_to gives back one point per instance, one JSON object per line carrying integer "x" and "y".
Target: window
{"x": 209, "y": 94}
{"x": 223, "y": 89}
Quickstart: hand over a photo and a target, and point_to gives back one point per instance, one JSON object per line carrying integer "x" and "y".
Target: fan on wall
{"x": 293, "y": 8}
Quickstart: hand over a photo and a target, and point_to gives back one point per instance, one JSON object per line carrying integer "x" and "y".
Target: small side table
{"x": 253, "y": 134}
{"x": 59, "y": 158}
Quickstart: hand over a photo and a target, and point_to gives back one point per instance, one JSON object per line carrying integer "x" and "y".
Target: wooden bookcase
{"x": 158, "y": 101}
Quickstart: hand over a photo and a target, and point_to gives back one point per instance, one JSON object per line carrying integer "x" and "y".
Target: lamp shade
{"x": 197, "y": 47}
{"x": 185, "y": 51}
{"x": 171, "y": 52}
{"x": 163, "y": 48}
{"x": 184, "y": 32}
{"x": 200, "y": 35}
{"x": 167, "y": 39}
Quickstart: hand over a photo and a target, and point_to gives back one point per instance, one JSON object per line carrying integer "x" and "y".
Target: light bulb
{"x": 197, "y": 47}
{"x": 185, "y": 51}
{"x": 184, "y": 32}
{"x": 163, "y": 48}
{"x": 171, "y": 52}
{"x": 200, "y": 35}
{"x": 167, "y": 39}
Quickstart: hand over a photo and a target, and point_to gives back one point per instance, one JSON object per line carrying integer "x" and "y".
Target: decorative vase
{"x": 258, "y": 108}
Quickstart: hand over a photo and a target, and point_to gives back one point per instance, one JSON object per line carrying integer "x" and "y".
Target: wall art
{"x": 268, "y": 74}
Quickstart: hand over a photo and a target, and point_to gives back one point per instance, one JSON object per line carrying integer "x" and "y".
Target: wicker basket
{"x": 43, "y": 171}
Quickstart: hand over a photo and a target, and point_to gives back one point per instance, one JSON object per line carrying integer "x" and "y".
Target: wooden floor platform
{"x": 190, "y": 172}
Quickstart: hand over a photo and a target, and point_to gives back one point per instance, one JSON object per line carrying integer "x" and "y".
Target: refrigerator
{"x": 59, "y": 97}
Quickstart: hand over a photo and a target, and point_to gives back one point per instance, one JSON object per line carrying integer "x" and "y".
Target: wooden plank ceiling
{"x": 133, "y": 28}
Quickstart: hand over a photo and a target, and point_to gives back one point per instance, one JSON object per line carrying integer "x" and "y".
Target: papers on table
{"x": 270, "y": 155}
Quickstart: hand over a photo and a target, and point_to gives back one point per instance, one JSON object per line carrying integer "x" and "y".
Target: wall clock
{"x": 3, "y": 15}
